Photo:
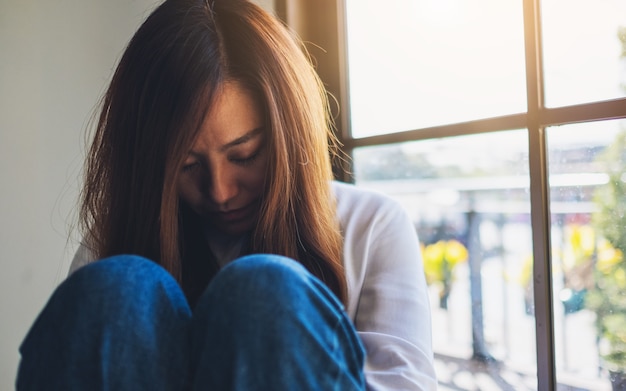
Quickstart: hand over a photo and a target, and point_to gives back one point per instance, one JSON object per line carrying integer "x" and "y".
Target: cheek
{"x": 255, "y": 178}
{"x": 189, "y": 192}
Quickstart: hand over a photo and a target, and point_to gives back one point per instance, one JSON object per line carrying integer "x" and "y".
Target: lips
{"x": 235, "y": 214}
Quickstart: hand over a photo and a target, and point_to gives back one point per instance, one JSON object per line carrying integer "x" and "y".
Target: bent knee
{"x": 253, "y": 265}
{"x": 261, "y": 273}
{"x": 119, "y": 275}
{"x": 266, "y": 280}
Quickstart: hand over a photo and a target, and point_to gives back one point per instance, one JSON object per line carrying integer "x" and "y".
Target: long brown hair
{"x": 151, "y": 113}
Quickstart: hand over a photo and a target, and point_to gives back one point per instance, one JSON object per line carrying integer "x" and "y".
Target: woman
{"x": 211, "y": 153}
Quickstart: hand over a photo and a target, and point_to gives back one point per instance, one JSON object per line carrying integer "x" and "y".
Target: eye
{"x": 245, "y": 161}
{"x": 191, "y": 166}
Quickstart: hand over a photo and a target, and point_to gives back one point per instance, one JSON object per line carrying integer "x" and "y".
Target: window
{"x": 500, "y": 126}
{"x": 414, "y": 64}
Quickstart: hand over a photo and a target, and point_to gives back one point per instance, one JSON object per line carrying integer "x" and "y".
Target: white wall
{"x": 56, "y": 58}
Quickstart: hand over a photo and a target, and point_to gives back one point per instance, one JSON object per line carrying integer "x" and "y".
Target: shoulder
{"x": 364, "y": 205}
{"x": 348, "y": 192}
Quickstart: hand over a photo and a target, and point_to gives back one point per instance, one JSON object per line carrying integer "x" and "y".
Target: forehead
{"x": 235, "y": 111}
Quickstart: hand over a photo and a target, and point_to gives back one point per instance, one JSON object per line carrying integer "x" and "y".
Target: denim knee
{"x": 277, "y": 267}
{"x": 123, "y": 282}
{"x": 263, "y": 283}
{"x": 113, "y": 324}
{"x": 268, "y": 277}
{"x": 119, "y": 269}
{"x": 276, "y": 324}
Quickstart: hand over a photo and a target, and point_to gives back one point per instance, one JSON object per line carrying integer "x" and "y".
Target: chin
{"x": 233, "y": 229}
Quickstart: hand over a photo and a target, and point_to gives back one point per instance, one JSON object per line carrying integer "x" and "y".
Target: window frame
{"x": 326, "y": 26}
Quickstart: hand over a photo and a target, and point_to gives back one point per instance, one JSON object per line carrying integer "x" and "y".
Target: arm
{"x": 393, "y": 311}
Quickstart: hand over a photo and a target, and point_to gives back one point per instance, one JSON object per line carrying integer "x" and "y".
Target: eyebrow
{"x": 243, "y": 139}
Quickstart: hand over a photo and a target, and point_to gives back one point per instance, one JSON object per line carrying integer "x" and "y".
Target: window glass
{"x": 419, "y": 63}
{"x": 587, "y": 164}
{"x": 582, "y": 50}
{"x": 469, "y": 200}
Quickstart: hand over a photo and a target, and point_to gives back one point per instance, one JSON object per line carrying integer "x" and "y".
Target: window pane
{"x": 471, "y": 201}
{"x": 419, "y": 63}
{"x": 587, "y": 165}
{"x": 582, "y": 49}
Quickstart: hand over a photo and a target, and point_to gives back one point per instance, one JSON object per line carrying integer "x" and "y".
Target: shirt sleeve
{"x": 393, "y": 313}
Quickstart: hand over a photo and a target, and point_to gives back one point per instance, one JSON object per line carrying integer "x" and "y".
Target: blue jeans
{"x": 123, "y": 323}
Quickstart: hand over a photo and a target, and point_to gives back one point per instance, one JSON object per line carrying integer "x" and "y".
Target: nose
{"x": 222, "y": 187}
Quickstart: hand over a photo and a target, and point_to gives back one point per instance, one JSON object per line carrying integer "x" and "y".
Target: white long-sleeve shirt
{"x": 387, "y": 293}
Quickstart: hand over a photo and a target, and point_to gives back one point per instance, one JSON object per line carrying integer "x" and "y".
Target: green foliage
{"x": 608, "y": 298}
{"x": 611, "y": 198}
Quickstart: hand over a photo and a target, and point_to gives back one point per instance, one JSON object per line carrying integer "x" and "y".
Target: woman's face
{"x": 223, "y": 175}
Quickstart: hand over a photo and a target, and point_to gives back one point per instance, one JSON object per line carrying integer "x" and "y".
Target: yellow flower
{"x": 582, "y": 239}
{"x": 608, "y": 257}
{"x": 433, "y": 262}
{"x": 455, "y": 252}
{"x": 441, "y": 257}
